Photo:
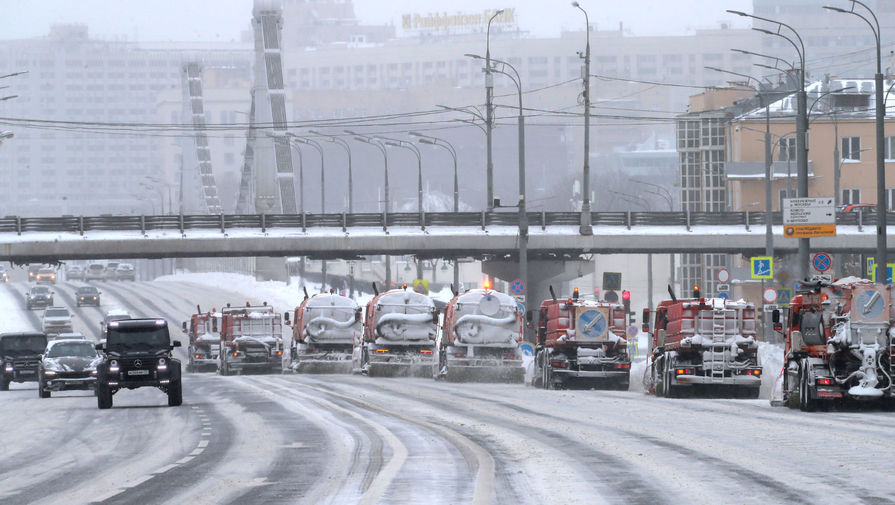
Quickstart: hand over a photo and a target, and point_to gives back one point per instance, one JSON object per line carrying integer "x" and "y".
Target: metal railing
{"x": 423, "y": 220}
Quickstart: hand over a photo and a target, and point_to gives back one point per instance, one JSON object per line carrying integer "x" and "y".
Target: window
{"x": 890, "y": 199}
{"x": 890, "y": 148}
{"x": 787, "y": 149}
{"x": 791, "y": 193}
{"x": 851, "y": 148}
{"x": 851, "y": 196}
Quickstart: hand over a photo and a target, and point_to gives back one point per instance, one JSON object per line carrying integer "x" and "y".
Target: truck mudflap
{"x": 736, "y": 380}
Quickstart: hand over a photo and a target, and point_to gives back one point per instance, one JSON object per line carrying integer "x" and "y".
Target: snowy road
{"x": 353, "y": 439}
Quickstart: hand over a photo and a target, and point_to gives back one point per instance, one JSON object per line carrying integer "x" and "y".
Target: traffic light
{"x": 696, "y": 291}
{"x": 626, "y": 300}
{"x": 596, "y": 293}
{"x": 575, "y": 294}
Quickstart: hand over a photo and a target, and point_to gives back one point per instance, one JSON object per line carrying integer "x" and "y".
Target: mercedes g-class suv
{"x": 20, "y": 357}
{"x": 137, "y": 353}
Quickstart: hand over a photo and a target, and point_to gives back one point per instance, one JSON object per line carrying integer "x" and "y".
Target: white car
{"x": 57, "y": 320}
{"x": 94, "y": 272}
{"x": 125, "y": 272}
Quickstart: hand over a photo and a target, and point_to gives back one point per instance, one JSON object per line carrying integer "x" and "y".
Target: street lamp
{"x": 586, "y": 227}
{"x": 489, "y": 112}
{"x": 301, "y": 178}
{"x": 881, "y": 225}
{"x": 374, "y": 142}
{"x": 801, "y": 124}
{"x": 316, "y": 145}
{"x": 419, "y": 161}
{"x": 344, "y": 144}
{"x": 425, "y": 139}
{"x": 523, "y": 217}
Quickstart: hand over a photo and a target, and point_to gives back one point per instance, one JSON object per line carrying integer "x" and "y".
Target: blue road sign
{"x": 784, "y": 296}
{"x": 527, "y": 349}
{"x": 890, "y": 270}
{"x": 517, "y": 287}
{"x": 762, "y": 267}
{"x": 822, "y": 262}
{"x": 723, "y": 295}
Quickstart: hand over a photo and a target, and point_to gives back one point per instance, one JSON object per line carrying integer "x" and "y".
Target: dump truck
{"x": 324, "y": 330}
{"x": 203, "y": 330}
{"x": 706, "y": 344}
{"x": 251, "y": 340}
{"x": 838, "y": 345}
{"x": 580, "y": 345}
{"x": 400, "y": 327}
{"x": 480, "y": 336}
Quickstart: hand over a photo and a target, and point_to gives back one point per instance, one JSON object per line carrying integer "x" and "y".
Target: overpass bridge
{"x": 485, "y": 235}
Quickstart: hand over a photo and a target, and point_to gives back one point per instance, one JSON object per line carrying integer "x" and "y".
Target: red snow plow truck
{"x": 480, "y": 338}
{"x": 251, "y": 340}
{"x": 580, "y": 345}
{"x": 702, "y": 344}
{"x": 839, "y": 345}
{"x": 324, "y": 330}
{"x": 205, "y": 340}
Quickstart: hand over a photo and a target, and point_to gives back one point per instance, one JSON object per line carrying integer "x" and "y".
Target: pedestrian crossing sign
{"x": 762, "y": 267}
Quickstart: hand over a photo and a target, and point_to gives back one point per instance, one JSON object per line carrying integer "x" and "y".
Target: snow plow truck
{"x": 480, "y": 338}
{"x": 251, "y": 340}
{"x": 399, "y": 335}
{"x": 838, "y": 345}
{"x": 324, "y": 330}
{"x": 702, "y": 344}
{"x": 580, "y": 345}
{"x": 205, "y": 340}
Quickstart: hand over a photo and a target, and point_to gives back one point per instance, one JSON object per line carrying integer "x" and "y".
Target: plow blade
{"x": 423, "y": 370}
{"x": 513, "y": 375}
{"x": 323, "y": 367}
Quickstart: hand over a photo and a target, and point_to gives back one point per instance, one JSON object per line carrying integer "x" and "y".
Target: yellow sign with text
{"x": 809, "y": 230}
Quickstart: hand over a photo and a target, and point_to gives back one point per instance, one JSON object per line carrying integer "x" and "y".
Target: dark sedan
{"x": 88, "y": 295}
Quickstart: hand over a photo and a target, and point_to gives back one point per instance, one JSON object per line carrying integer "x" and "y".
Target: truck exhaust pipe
{"x": 671, "y": 293}
{"x": 305, "y": 289}
{"x": 375, "y": 290}
{"x": 552, "y": 293}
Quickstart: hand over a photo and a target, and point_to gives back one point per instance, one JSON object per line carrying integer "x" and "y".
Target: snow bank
{"x": 15, "y": 316}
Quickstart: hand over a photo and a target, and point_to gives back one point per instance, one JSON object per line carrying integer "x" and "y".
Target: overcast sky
{"x": 224, "y": 20}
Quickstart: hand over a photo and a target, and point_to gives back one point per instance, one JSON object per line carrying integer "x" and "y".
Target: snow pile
{"x": 13, "y": 320}
{"x": 770, "y": 357}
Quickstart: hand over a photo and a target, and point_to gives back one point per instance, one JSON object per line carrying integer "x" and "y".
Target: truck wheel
{"x": 103, "y": 396}
{"x": 548, "y": 376}
{"x": 4, "y": 384}
{"x": 175, "y": 394}
{"x": 669, "y": 390}
{"x": 806, "y": 403}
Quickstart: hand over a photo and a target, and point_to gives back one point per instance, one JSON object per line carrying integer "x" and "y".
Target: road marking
{"x": 165, "y": 468}
{"x": 202, "y": 444}
{"x": 185, "y": 459}
{"x": 197, "y": 452}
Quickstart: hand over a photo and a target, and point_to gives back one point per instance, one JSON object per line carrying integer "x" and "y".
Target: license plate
{"x": 26, "y": 372}
{"x": 138, "y": 372}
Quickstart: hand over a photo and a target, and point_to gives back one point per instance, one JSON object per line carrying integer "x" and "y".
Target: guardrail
{"x": 263, "y": 222}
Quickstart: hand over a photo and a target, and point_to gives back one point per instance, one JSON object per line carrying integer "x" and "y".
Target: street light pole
{"x": 586, "y": 225}
{"x": 801, "y": 125}
{"x": 384, "y": 151}
{"x": 881, "y": 259}
{"x": 344, "y": 144}
{"x": 523, "y": 217}
{"x": 426, "y": 139}
{"x": 316, "y": 145}
{"x": 489, "y": 111}
{"x": 419, "y": 160}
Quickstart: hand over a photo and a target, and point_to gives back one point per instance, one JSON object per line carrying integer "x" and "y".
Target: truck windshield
{"x": 23, "y": 344}
{"x": 137, "y": 339}
{"x": 75, "y": 349}
{"x": 256, "y": 327}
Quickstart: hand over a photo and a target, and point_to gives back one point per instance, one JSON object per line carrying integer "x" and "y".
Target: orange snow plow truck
{"x": 324, "y": 330}
{"x": 205, "y": 340}
{"x": 480, "y": 338}
{"x": 580, "y": 345}
{"x": 399, "y": 335}
{"x": 839, "y": 345}
{"x": 702, "y": 344}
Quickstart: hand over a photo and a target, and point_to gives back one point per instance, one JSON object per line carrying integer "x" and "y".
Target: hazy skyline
{"x": 225, "y": 20}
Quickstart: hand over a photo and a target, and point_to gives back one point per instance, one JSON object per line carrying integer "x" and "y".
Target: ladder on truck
{"x": 719, "y": 337}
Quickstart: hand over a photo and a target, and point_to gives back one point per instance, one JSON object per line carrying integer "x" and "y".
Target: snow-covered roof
{"x": 740, "y": 170}
{"x": 820, "y": 95}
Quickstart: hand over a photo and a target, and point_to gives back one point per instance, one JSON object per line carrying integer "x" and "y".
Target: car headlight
{"x": 8, "y": 368}
{"x": 51, "y": 367}
{"x": 49, "y": 372}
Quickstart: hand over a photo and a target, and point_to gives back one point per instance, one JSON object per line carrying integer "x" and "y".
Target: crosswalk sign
{"x": 889, "y": 271}
{"x": 762, "y": 267}
{"x": 784, "y": 296}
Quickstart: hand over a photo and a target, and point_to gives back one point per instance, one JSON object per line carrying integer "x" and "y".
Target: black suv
{"x": 20, "y": 357}
{"x": 138, "y": 354}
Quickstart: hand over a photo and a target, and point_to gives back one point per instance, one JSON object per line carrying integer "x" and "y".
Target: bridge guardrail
{"x": 82, "y": 224}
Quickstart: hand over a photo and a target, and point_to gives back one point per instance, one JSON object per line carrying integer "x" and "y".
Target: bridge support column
{"x": 541, "y": 275}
